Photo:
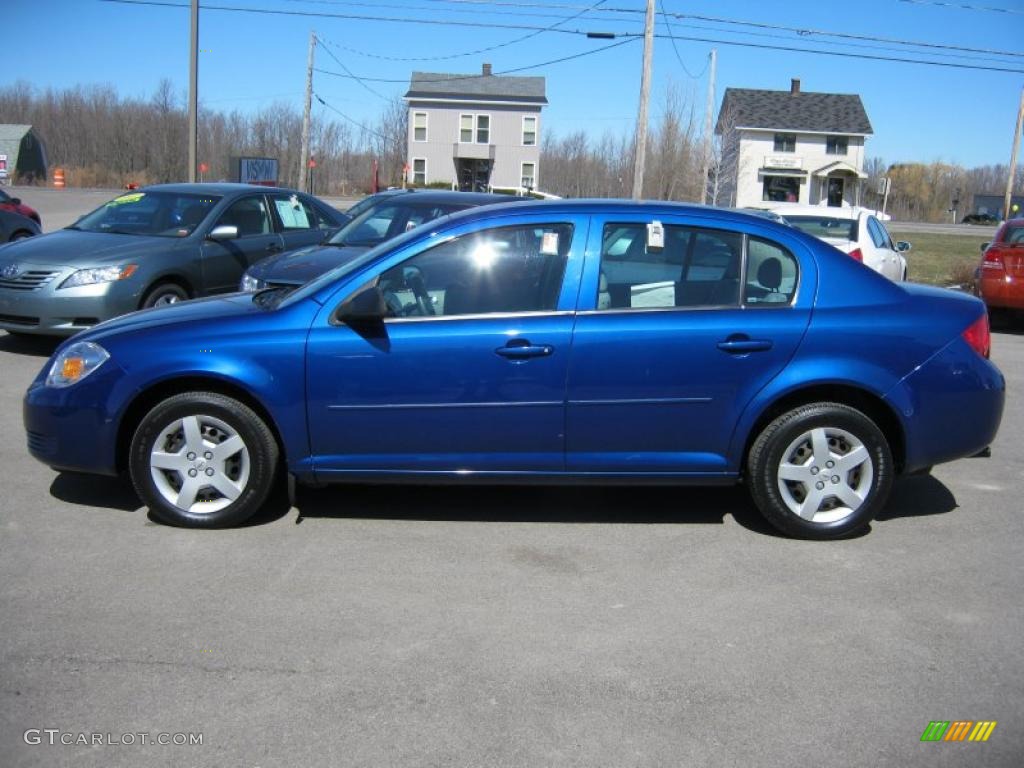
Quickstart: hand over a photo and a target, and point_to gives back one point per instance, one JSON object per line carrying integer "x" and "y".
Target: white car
{"x": 856, "y": 231}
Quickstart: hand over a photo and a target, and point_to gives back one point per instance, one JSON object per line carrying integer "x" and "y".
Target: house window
{"x": 419, "y": 171}
{"x": 419, "y": 126}
{"x": 781, "y": 189}
{"x": 465, "y": 129}
{"x": 483, "y": 129}
{"x": 836, "y": 145}
{"x": 785, "y": 142}
{"x": 529, "y": 175}
{"x": 529, "y": 131}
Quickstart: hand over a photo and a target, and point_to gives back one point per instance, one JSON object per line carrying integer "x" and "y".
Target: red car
{"x": 1001, "y": 275}
{"x": 14, "y": 205}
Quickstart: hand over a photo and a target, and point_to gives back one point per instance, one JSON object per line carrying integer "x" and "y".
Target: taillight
{"x": 857, "y": 255}
{"x": 978, "y": 336}
{"x": 993, "y": 259}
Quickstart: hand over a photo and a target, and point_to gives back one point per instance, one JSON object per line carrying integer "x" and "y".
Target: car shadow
{"x": 918, "y": 496}
{"x": 1007, "y": 323}
{"x": 638, "y": 505}
{"x": 95, "y": 491}
{"x": 33, "y": 346}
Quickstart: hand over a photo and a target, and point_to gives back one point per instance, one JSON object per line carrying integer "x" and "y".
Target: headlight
{"x": 250, "y": 283}
{"x": 99, "y": 275}
{"x": 75, "y": 363}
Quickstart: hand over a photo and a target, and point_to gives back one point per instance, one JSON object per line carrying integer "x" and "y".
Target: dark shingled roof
{"x": 441, "y": 85}
{"x": 802, "y": 111}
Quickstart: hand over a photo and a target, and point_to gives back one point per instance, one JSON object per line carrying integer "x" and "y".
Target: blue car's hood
{"x": 303, "y": 265}
{"x": 230, "y": 305}
{"x": 72, "y": 248}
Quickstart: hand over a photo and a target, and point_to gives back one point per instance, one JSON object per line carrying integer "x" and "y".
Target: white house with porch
{"x": 791, "y": 146}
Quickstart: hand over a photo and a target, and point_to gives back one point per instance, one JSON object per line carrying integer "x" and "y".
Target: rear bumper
{"x": 1002, "y": 291}
{"x": 951, "y": 406}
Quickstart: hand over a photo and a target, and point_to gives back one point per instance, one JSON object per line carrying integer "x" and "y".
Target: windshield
{"x": 825, "y": 226}
{"x": 164, "y": 214}
{"x": 384, "y": 221}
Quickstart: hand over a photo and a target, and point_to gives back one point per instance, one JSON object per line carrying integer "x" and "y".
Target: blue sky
{"x": 249, "y": 60}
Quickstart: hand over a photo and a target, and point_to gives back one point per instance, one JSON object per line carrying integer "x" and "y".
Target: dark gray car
{"x": 157, "y": 245}
{"x": 14, "y": 226}
{"x": 389, "y": 215}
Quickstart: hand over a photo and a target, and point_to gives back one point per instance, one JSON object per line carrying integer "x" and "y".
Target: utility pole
{"x": 193, "y": 94}
{"x": 709, "y": 108}
{"x": 304, "y": 152}
{"x": 640, "y": 153}
{"x": 1013, "y": 159}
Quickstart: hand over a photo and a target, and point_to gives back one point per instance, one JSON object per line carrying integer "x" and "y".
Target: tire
{"x": 21, "y": 234}
{"x": 175, "y": 449}
{"x": 800, "y": 503}
{"x": 163, "y": 294}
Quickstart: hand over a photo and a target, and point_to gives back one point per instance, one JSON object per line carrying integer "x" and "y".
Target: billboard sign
{"x": 258, "y": 170}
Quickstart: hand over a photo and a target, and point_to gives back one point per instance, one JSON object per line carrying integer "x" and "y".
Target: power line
{"x": 676, "y": 48}
{"x": 346, "y": 117}
{"x": 341, "y": 64}
{"x": 503, "y": 72}
{"x": 964, "y": 6}
{"x": 552, "y": 28}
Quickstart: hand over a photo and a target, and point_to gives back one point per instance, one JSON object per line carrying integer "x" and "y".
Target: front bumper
{"x": 73, "y": 428}
{"x": 38, "y": 306}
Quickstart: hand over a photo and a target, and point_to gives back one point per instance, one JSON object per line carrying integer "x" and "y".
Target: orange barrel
{"x": 58, "y": 178}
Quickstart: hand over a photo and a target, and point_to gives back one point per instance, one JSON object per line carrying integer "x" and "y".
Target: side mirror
{"x": 15, "y": 201}
{"x": 903, "y": 246}
{"x": 367, "y": 304}
{"x": 223, "y": 232}
{"x": 984, "y": 247}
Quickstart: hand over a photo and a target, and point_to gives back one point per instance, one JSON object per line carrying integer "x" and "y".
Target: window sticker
{"x": 292, "y": 213}
{"x": 134, "y": 197}
{"x": 549, "y": 244}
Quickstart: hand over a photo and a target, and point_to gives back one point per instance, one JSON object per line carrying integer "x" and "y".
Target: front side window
{"x": 836, "y": 145}
{"x": 509, "y": 269}
{"x": 419, "y": 171}
{"x": 785, "y": 142}
{"x": 249, "y": 214}
{"x": 696, "y": 268}
{"x": 465, "y": 129}
{"x": 483, "y": 129}
{"x": 529, "y": 176}
{"x": 771, "y": 274}
{"x": 419, "y": 126}
{"x": 529, "y": 131}
{"x": 781, "y": 189}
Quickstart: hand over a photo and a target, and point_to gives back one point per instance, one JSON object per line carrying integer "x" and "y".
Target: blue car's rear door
{"x": 469, "y": 373}
{"x": 671, "y": 343}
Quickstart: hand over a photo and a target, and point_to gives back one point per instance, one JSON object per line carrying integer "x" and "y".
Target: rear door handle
{"x": 743, "y": 346}
{"x": 522, "y": 351}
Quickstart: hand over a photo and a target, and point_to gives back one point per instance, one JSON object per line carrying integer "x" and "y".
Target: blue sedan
{"x": 567, "y": 341}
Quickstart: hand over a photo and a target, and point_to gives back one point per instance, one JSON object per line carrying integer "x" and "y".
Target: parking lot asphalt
{"x": 414, "y": 626}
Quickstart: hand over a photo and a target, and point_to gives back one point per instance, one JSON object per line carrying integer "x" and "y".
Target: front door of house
{"x": 835, "y": 192}
{"x": 474, "y": 175}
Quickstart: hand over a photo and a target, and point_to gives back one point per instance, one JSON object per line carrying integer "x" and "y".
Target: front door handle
{"x": 742, "y": 345}
{"x": 521, "y": 349}
{"x": 274, "y": 248}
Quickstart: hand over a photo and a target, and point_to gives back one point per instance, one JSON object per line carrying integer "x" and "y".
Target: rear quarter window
{"x": 772, "y": 274}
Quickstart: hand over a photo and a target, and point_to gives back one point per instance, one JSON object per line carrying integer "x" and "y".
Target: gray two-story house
{"x": 475, "y": 132}
{"x": 791, "y": 146}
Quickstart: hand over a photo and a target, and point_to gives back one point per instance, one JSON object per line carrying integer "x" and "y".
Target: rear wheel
{"x": 820, "y": 471}
{"x": 203, "y": 460}
{"x": 21, "y": 234}
{"x": 164, "y": 294}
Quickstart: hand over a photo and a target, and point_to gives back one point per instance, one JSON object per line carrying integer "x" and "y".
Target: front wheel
{"x": 203, "y": 460}
{"x": 163, "y": 295}
{"x": 820, "y": 471}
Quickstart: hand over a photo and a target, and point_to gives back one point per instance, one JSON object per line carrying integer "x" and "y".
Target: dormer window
{"x": 837, "y": 145}
{"x": 785, "y": 142}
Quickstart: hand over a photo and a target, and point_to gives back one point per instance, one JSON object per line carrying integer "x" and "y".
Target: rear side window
{"x": 696, "y": 268}
{"x": 771, "y": 274}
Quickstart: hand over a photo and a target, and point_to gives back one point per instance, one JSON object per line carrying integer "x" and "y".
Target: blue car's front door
{"x": 672, "y": 342}
{"x": 468, "y": 374}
